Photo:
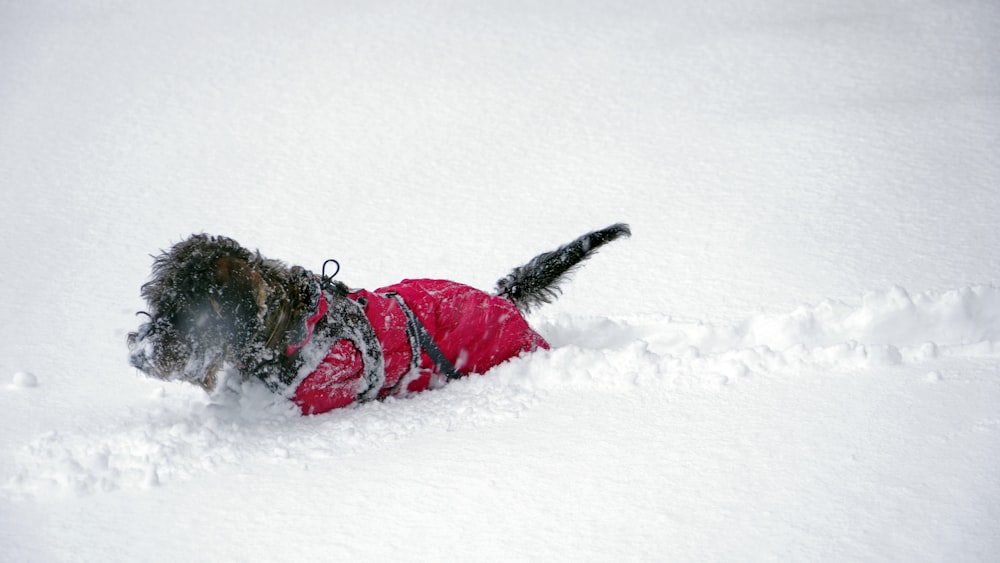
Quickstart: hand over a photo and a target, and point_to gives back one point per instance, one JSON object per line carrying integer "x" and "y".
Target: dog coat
{"x": 474, "y": 330}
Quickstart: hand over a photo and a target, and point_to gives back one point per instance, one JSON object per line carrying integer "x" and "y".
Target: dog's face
{"x": 206, "y": 299}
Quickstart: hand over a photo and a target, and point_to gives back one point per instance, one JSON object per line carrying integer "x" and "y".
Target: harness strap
{"x": 414, "y": 328}
{"x": 321, "y": 308}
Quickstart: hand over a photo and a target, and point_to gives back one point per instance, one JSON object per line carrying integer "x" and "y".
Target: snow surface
{"x": 795, "y": 357}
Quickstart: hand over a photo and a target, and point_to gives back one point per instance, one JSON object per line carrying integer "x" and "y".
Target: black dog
{"x": 213, "y": 304}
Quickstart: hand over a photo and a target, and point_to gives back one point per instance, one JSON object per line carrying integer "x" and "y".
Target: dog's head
{"x": 207, "y": 299}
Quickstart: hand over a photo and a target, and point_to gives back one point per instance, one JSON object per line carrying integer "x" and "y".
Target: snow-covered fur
{"x": 537, "y": 282}
{"x": 215, "y": 304}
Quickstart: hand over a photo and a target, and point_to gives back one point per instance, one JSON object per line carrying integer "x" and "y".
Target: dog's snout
{"x": 138, "y": 356}
{"x": 153, "y": 350}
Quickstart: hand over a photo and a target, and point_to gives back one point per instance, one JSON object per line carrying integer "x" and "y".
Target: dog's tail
{"x": 537, "y": 282}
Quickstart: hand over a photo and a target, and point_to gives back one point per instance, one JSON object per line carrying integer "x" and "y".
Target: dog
{"x": 216, "y": 307}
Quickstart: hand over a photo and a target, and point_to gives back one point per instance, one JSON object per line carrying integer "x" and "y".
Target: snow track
{"x": 179, "y": 434}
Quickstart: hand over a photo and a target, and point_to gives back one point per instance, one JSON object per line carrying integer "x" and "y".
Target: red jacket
{"x": 475, "y": 330}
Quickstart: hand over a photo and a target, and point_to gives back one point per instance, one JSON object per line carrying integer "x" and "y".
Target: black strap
{"x": 415, "y": 328}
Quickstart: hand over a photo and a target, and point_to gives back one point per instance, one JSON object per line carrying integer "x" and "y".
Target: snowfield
{"x": 796, "y": 357}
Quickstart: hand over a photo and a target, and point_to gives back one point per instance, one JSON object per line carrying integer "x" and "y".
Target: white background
{"x": 794, "y": 357}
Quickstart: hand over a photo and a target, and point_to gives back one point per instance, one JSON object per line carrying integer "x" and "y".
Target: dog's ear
{"x": 237, "y": 275}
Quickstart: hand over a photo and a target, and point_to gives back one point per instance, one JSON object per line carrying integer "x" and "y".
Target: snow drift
{"x": 179, "y": 434}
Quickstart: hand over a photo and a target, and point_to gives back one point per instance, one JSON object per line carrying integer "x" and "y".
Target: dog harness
{"x": 431, "y": 331}
{"x": 420, "y": 339}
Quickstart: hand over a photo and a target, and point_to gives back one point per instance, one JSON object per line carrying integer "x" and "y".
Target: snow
{"x": 24, "y": 379}
{"x": 795, "y": 356}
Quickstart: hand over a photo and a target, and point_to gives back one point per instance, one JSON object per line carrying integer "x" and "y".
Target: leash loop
{"x": 335, "y": 272}
{"x": 326, "y": 282}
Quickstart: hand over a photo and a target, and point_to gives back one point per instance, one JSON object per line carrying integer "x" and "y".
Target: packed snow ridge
{"x": 181, "y": 433}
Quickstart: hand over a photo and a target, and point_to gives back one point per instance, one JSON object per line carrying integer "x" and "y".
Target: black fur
{"x": 537, "y": 282}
